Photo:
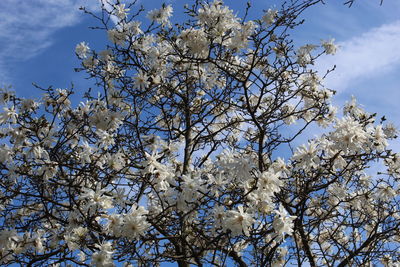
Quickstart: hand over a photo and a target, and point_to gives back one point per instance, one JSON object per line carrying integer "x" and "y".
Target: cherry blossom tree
{"x": 186, "y": 153}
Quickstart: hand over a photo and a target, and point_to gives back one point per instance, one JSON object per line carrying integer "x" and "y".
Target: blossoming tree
{"x": 186, "y": 153}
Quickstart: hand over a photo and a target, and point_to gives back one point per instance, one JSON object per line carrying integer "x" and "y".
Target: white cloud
{"x": 26, "y": 27}
{"x": 370, "y": 59}
{"x": 368, "y": 55}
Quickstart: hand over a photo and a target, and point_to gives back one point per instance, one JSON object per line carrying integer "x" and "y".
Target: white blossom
{"x": 283, "y": 222}
{"x": 238, "y": 221}
{"x": 161, "y": 15}
{"x": 270, "y": 16}
{"x": 82, "y": 49}
{"x": 120, "y": 11}
{"x": 134, "y": 223}
{"x": 329, "y": 46}
{"x": 103, "y": 257}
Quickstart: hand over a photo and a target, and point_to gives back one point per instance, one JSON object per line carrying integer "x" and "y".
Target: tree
{"x": 178, "y": 158}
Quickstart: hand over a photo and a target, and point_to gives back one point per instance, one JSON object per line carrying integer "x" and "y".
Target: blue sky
{"x": 38, "y": 37}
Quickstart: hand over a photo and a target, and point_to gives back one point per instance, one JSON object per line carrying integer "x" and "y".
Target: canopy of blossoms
{"x": 180, "y": 155}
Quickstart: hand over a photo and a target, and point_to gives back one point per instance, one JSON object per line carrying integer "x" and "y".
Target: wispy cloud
{"x": 364, "y": 56}
{"x": 371, "y": 59}
{"x": 26, "y": 27}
